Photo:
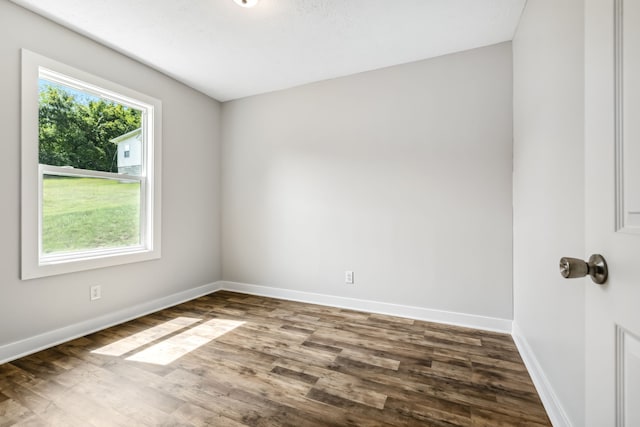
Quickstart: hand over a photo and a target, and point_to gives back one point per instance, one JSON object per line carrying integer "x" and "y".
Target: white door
{"x": 612, "y": 162}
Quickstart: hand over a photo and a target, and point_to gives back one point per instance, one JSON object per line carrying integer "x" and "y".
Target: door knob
{"x": 596, "y": 267}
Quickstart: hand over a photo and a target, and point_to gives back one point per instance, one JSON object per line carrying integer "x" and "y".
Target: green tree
{"x": 76, "y": 130}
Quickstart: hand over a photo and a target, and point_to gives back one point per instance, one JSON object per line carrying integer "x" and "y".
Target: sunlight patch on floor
{"x": 132, "y": 342}
{"x": 177, "y": 346}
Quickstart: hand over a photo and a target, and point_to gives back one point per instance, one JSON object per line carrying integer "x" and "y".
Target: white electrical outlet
{"x": 348, "y": 277}
{"x": 96, "y": 292}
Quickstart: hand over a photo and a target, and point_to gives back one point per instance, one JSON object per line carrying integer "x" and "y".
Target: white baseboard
{"x": 15, "y": 350}
{"x": 412, "y": 312}
{"x": 552, "y": 405}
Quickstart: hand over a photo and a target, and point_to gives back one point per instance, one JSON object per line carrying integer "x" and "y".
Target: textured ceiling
{"x": 230, "y": 52}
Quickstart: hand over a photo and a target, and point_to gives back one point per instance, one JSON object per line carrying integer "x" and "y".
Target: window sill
{"x": 108, "y": 258}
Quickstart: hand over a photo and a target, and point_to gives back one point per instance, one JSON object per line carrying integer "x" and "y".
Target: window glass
{"x": 87, "y": 213}
{"x": 79, "y": 130}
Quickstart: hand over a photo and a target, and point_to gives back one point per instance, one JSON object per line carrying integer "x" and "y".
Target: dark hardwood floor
{"x": 230, "y": 359}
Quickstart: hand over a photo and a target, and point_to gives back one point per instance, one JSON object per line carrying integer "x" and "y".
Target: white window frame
{"x": 34, "y": 262}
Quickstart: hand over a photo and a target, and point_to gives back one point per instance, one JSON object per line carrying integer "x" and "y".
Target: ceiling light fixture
{"x": 246, "y": 3}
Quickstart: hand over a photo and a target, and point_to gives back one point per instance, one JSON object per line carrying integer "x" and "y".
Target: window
{"x": 90, "y": 171}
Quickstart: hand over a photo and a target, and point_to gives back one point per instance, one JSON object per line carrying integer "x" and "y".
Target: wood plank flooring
{"x": 229, "y": 359}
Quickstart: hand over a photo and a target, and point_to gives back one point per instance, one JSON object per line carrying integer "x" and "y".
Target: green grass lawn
{"x": 89, "y": 213}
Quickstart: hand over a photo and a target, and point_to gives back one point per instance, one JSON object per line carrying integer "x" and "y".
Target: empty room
{"x": 320, "y": 213}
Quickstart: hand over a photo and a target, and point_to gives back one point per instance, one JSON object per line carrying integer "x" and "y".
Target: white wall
{"x": 191, "y": 205}
{"x": 548, "y": 187}
{"x": 402, "y": 175}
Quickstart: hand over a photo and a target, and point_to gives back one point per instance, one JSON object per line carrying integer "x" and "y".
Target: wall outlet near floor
{"x": 348, "y": 277}
{"x": 96, "y": 292}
